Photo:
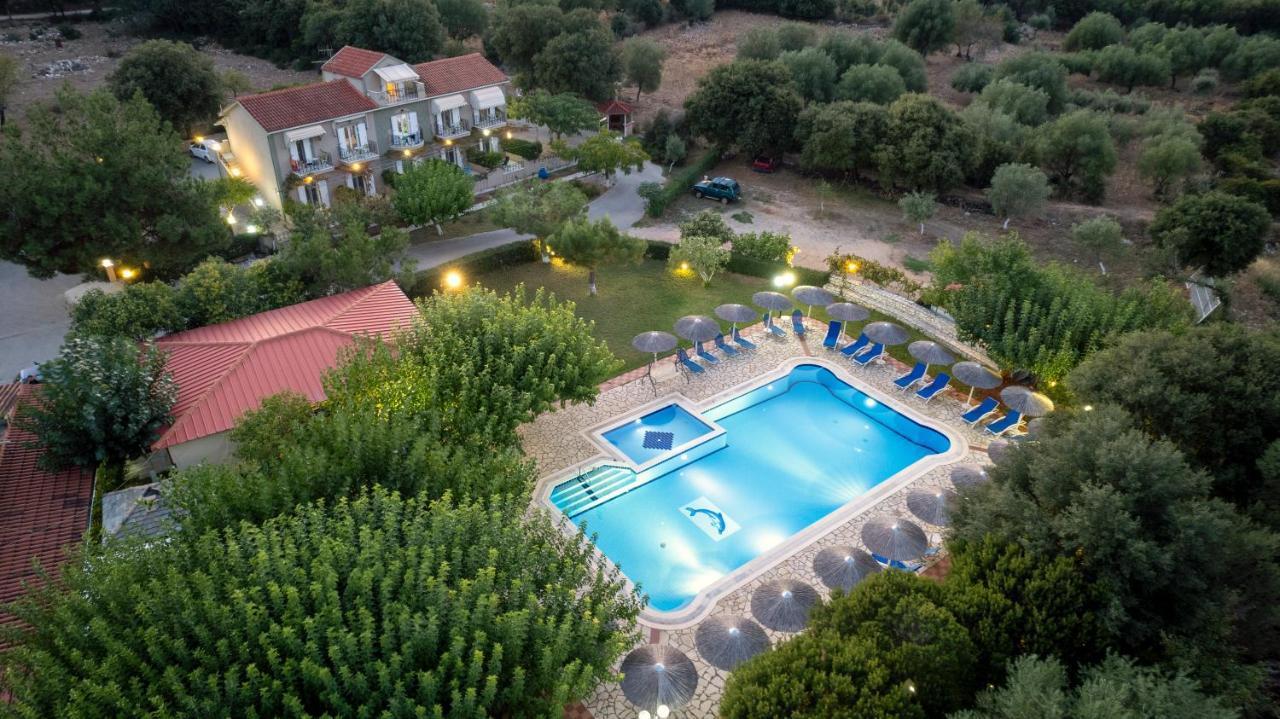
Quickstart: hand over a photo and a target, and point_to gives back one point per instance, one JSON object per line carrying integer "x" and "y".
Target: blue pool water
{"x": 652, "y": 435}
{"x": 794, "y": 451}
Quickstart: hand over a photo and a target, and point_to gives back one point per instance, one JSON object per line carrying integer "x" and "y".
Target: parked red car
{"x": 766, "y": 163}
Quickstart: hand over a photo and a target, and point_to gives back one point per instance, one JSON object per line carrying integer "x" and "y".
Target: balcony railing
{"x": 357, "y": 154}
{"x": 449, "y": 132}
{"x": 319, "y": 162}
{"x": 406, "y": 93}
{"x": 407, "y": 142}
{"x": 487, "y": 122}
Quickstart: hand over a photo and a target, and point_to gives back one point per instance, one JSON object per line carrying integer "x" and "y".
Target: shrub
{"x": 764, "y": 246}
{"x": 528, "y": 149}
{"x": 972, "y": 77}
{"x": 1040, "y": 21}
{"x": 485, "y": 159}
{"x": 478, "y": 263}
{"x": 1094, "y": 32}
{"x": 680, "y": 182}
{"x": 1077, "y": 63}
{"x": 68, "y": 32}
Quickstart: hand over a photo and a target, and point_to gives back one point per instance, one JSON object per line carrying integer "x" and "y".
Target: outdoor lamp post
{"x": 110, "y": 267}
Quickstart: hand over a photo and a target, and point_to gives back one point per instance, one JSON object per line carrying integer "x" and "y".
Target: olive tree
{"x": 1017, "y": 190}
{"x": 432, "y": 192}
{"x": 1217, "y": 232}
{"x": 176, "y": 79}
{"x": 704, "y": 254}
{"x": 918, "y": 207}
{"x": 594, "y": 244}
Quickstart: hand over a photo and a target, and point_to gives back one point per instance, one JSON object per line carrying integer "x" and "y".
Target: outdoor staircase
{"x": 577, "y": 495}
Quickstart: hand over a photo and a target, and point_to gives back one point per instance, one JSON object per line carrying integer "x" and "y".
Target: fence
{"x": 931, "y": 322}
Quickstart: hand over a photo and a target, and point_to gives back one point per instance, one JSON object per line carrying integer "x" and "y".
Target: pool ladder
{"x": 596, "y": 486}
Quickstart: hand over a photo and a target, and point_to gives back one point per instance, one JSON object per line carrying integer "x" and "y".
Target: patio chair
{"x": 683, "y": 358}
{"x": 871, "y": 355}
{"x": 797, "y": 323}
{"x": 704, "y": 355}
{"x": 768, "y": 323}
{"x": 915, "y": 375}
{"x": 934, "y": 388}
{"x": 833, "y": 334}
{"x": 855, "y": 346}
{"x": 980, "y": 411}
{"x": 725, "y": 348}
{"x": 741, "y": 341}
{"x": 898, "y": 564}
{"x": 1004, "y": 424}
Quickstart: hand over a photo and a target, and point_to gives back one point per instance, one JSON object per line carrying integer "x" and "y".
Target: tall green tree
{"x": 998, "y": 139}
{"x": 1188, "y": 579}
{"x": 563, "y": 114}
{"x": 813, "y": 71}
{"x": 432, "y": 192}
{"x": 332, "y": 250}
{"x": 925, "y": 145}
{"x": 538, "y": 209}
{"x": 408, "y": 29}
{"x": 880, "y": 84}
{"x": 463, "y": 18}
{"x": 1041, "y": 71}
{"x": 521, "y": 31}
{"x": 595, "y": 244}
{"x": 1166, "y": 380}
{"x": 1166, "y": 160}
{"x": 178, "y": 81}
{"x": 583, "y": 62}
{"x": 141, "y": 310}
{"x": 104, "y": 400}
{"x": 704, "y": 255}
{"x": 1121, "y": 65}
{"x": 841, "y": 136}
{"x": 1078, "y": 154}
{"x": 1217, "y": 232}
{"x": 926, "y": 25}
{"x": 92, "y": 177}
{"x": 1101, "y": 235}
{"x": 918, "y": 207}
{"x": 642, "y": 64}
{"x": 750, "y": 104}
{"x": 384, "y": 605}
{"x": 1118, "y": 687}
{"x": 1027, "y": 105}
{"x": 1094, "y": 32}
{"x": 1017, "y": 190}
{"x": 1187, "y": 52}
{"x": 607, "y": 152}
{"x": 908, "y": 63}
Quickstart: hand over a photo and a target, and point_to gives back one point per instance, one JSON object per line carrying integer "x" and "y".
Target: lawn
{"x": 647, "y": 296}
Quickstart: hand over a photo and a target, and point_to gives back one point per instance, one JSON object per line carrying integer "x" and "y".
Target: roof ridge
{"x": 366, "y": 293}
{"x": 199, "y": 399}
{"x": 291, "y": 88}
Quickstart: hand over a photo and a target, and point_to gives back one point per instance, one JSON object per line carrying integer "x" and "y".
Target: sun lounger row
{"x": 686, "y": 363}
{"x": 986, "y": 408}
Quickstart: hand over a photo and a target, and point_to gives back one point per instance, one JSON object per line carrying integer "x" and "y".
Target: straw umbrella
{"x": 772, "y": 301}
{"x": 735, "y": 314}
{"x": 930, "y": 352}
{"x": 697, "y": 328}
{"x": 810, "y": 295}
{"x": 654, "y": 342}
{"x": 999, "y": 450}
{"x": 932, "y": 507}
{"x": 885, "y": 333}
{"x": 968, "y": 475}
{"x": 847, "y": 312}
{"x": 728, "y": 641}
{"x": 1025, "y": 401}
{"x": 894, "y": 539}
{"x": 975, "y": 375}
{"x": 843, "y": 567}
{"x": 658, "y": 674}
{"x": 783, "y": 605}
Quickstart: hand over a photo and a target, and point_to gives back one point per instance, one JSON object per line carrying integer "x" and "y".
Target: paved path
{"x": 620, "y": 203}
{"x": 33, "y": 318}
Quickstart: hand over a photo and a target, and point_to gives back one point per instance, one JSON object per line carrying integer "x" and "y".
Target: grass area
{"x": 461, "y": 227}
{"x": 648, "y": 296}
{"x": 915, "y": 264}
{"x": 744, "y": 217}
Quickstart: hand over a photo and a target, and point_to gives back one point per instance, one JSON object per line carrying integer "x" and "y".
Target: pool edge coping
{"x": 700, "y": 606}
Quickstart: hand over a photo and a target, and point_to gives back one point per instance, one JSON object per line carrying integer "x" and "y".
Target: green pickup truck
{"x": 724, "y": 189}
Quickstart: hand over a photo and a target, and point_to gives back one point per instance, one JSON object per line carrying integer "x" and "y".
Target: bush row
{"x": 743, "y": 265}
{"x": 678, "y": 183}
{"x": 516, "y": 253}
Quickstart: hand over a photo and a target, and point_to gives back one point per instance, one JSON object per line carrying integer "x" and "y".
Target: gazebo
{"x": 615, "y": 116}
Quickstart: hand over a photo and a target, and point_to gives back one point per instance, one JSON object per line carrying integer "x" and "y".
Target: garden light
{"x": 407, "y": 153}
{"x": 231, "y": 218}
{"x": 251, "y": 229}
{"x": 235, "y": 172}
{"x": 485, "y": 133}
{"x": 851, "y": 266}
{"x": 453, "y": 279}
{"x": 110, "y": 267}
{"x": 199, "y": 138}
{"x": 258, "y": 202}
{"x": 784, "y": 279}
{"x": 684, "y": 265}
{"x": 508, "y": 134}
{"x": 128, "y": 273}
{"x": 107, "y": 263}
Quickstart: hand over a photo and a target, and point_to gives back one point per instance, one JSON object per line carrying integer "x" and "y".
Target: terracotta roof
{"x": 352, "y": 61}
{"x": 614, "y": 107}
{"x": 8, "y": 400}
{"x": 455, "y": 74}
{"x": 303, "y": 105}
{"x": 225, "y": 370}
{"x": 41, "y": 513}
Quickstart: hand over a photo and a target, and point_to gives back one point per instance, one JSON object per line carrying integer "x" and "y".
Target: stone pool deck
{"x": 556, "y": 442}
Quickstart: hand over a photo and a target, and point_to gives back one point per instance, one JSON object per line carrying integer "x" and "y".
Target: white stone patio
{"x": 556, "y": 442}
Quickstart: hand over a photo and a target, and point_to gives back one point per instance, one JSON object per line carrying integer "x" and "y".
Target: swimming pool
{"x": 782, "y": 456}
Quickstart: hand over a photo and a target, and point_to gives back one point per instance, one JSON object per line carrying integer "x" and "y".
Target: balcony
{"x": 350, "y": 155}
{"x": 407, "y": 142}
{"x": 320, "y": 162}
{"x": 407, "y": 92}
{"x": 462, "y": 128}
{"x": 497, "y": 118}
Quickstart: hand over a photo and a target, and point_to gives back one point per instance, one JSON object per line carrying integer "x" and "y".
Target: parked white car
{"x": 206, "y": 150}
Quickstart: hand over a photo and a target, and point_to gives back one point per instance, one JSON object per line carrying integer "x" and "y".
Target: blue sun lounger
{"x": 776, "y": 330}
{"x": 741, "y": 341}
{"x": 797, "y": 323}
{"x": 1008, "y": 422}
{"x": 725, "y": 348}
{"x": 704, "y": 355}
{"x": 683, "y": 358}
{"x": 934, "y": 388}
{"x": 915, "y": 375}
{"x": 898, "y": 564}
{"x": 833, "y": 334}
{"x": 870, "y": 355}
{"x": 980, "y": 410}
{"x": 853, "y": 347}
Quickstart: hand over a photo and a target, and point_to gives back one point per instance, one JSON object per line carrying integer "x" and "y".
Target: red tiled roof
{"x": 352, "y": 61}
{"x": 8, "y": 400}
{"x": 41, "y": 513}
{"x": 303, "y": 105}
{"x": 455, "y": 74}
{"x": 614, "y": 107}
{"x": 225, "y": 370}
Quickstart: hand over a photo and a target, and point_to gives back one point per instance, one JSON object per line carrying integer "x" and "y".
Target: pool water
{"x": 653, "y": 435}
{"x": 796, "y": 450}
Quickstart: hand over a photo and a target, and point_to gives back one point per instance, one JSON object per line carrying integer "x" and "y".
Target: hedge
{"x": 495, "y": 258}
{"x": 528, "y": 149}
{"x": 743, "y": 265}
{"x": 680, "y": 182}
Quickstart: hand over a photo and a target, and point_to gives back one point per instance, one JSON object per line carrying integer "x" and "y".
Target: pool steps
{"x": 591, "y": 488}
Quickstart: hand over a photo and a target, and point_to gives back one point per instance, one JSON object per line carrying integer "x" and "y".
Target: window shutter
{"x": 306, "y": 149}
{"x": 351, "y": 182}
{"x": 363, "y": 133}
{"x": 400, "y": 166}
{"x": 302, "y": 194}
{"x": 368, "y": 180}
{"x": 413, "y": 123}
{"x": 293, "y": 151}
{"x": 323, "y": 187}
